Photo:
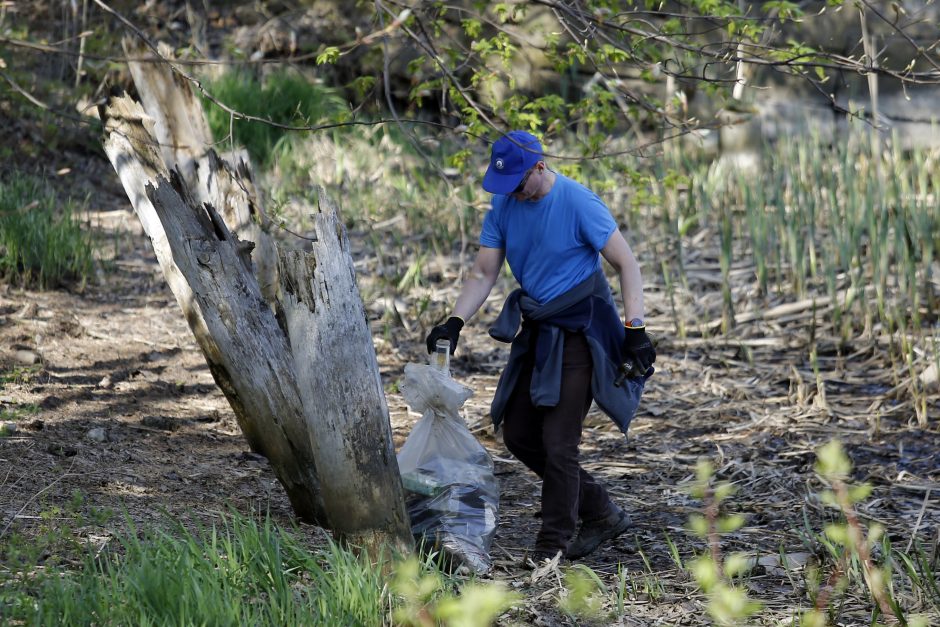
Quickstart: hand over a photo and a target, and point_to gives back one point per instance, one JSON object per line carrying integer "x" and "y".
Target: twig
{"x": 857, "y": 538}
{"x": 920, "y": 517}
{"x": 35, "y": 496}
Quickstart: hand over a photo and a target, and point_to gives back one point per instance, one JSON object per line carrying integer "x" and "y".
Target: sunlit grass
{"x": 238, "y": 572}
{"x": 284, "y": 97}
{"x": 42, "y": 243}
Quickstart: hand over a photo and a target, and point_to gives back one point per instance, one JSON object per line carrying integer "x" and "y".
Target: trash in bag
{"x": 451, "y": 492}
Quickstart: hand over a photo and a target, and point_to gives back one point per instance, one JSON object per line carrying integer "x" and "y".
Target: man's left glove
{"x": 638, "y": 349}
{"x": 450, "y": 330}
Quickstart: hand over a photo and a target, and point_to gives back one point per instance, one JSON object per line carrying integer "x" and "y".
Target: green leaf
{"x": 730, "y": 523}
{"x": 860, "y": 492}
{"x": 472, "y": 27}
{"x": 329, "y": 55}
{"x": 704, "y": 470}
{"x": 736, "y": 564}
{"x": 814, "y": 618}
{"x": 786, "y": 10}
{"x": 477, "y": 605}
{"x": 729, "y": 605}
{"x": 832, "y": 462}
{"x": 723, "y": 490}
{"x": 837, "y": 532}
{"x": 705, "y": 572}
{"x": 698, "y": 524}
{"x": 362, "y": 84}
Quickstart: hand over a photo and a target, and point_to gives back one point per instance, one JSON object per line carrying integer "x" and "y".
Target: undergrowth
{"x": 282, "y": 97}
{"x": 239, "y": 572}
{"x": 42, "y": 244}
{"x": 251, "y": 571}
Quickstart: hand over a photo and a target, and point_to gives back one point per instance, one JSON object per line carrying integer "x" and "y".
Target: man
{"x": 572, "y": 347}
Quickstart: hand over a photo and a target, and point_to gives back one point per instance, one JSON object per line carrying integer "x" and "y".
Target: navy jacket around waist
{"x": 586, "y": 308}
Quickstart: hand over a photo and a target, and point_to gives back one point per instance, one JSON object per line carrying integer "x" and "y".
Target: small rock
{"x": 212, "y": 416}
{"x": 7, "y": 428}
{"x": 106, "y": 382}
{"x": 51, "y": 402}
{"x": 70, "y": 325}
{"x": 27, "y": 357}
{"x": 98, "y": 434}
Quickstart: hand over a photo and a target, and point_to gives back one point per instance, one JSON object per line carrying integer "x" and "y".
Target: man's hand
{"x": 450, "y": 330}
{"x": 638, "y": 349}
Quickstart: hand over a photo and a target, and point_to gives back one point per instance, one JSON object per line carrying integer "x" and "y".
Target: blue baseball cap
{"x": 512, "y": 156}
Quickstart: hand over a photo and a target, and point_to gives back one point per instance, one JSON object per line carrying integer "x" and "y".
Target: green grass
{"x": 18, "y": 412}
{"x": 239, "y": 572}
{"x": 20, "y": 374}
{"x": 284, "y": 97}
{"x": 42, "y": 244}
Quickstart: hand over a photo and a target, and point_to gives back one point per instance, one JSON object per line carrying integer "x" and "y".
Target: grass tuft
{"x": 283, "y": 97}
{"x": 42, "y": 244}
{"x": 239, "y": 572}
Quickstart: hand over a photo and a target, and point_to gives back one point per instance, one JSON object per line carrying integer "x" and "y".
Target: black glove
{"x": 638, "y": 350}
{"x": 450, "y": 330}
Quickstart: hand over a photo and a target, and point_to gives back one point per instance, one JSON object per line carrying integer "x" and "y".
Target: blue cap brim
{"x": 496, "y": 183}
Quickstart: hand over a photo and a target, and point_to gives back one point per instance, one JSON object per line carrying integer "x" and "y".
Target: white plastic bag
{"x": 451, "y": 492}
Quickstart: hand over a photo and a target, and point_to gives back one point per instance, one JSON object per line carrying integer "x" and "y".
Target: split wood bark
{"x": 252, "y": 366}
{"x": 305, "y": 391}
{"x": 182, "y": 133}
{"x": 324, "y": 315}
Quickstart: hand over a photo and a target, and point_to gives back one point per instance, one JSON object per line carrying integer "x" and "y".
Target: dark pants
{"x": 546, "y": 440}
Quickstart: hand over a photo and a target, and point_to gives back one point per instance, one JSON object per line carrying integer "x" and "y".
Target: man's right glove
{"x": 638, "y": 348}
{"x": 450, "y": 330}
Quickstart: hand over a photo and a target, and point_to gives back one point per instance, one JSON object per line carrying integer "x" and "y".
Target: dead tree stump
{"x": 306, "y": 394}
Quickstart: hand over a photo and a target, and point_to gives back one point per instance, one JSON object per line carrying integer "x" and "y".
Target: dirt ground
{"x": 111, "y": 398}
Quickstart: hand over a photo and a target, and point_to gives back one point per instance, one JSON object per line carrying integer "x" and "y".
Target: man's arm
{"x": 619, "y": 255}
{"x": 479, "y": 283}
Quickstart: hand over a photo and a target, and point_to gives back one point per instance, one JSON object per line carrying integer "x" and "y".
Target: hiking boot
{"x": 593, "y": 533}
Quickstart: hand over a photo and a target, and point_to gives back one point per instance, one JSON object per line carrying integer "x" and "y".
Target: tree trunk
{"x": 247, "y": 353}
{"x": 312, "y": 403}
{"x": 182, "y": 132}
{"x": 324, "y": 315}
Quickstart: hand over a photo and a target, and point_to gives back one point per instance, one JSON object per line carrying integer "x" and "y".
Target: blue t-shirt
{"x": 551, "y": 244}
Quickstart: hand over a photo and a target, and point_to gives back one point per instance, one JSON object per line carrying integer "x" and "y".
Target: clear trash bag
{"x": 450, "y": 490}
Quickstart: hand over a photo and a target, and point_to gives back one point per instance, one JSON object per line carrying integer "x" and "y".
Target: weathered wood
{"x": 325, "y": 316}
{"x": 179, "y": 123}
{"x": 306, "y": 392}
{"x": 247, "y": 353}
{"x": 182, "y": 132}
{"x": 233, "y": 189}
